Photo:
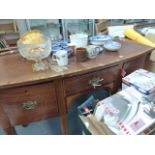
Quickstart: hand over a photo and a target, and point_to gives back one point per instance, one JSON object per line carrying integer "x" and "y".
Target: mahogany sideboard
{"x": 27, "y": 96}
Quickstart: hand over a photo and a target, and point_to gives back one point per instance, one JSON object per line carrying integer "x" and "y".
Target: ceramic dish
{"x": 99, "y": 39}
{"x": 112, "y": 45}
{"x": 97, "y": 43}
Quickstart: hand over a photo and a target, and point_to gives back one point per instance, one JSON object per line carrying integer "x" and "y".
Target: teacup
{"x": 61, "y": 57}
{"x": 92, "y": 51}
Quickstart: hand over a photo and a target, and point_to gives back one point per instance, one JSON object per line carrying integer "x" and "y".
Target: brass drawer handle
{"x": 29, "y": 105}
{"x": 95, "y": 82}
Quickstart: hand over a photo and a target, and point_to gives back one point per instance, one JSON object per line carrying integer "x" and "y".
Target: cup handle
{"x": 97, "y": 50}
{"x": 54, "y": 57}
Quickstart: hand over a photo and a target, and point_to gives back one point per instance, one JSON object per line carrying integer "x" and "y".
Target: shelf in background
{"x": 8, "y": 50}
{"x": 48, "y": 25}
{"x": 80, "y": 23}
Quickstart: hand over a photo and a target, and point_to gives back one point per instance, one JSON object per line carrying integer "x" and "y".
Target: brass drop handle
{"x": 29, "y": 105}
{"x": 95, "y": 82}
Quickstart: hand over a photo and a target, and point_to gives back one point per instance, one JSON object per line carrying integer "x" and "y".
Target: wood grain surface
{"x": 17, "y": 71}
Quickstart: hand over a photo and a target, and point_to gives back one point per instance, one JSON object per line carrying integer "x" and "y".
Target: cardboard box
{"x": 143, "y": 81}
{"x": 95, "y": 127}
{"x": 90, "y": 125}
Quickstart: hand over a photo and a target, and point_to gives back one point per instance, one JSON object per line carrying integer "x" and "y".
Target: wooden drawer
{"x": 86, "y": 82}
{"x": 134, "y": 64}
{"x": 31, "y": 103}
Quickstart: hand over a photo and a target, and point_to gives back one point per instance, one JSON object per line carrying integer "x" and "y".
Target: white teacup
{"x": 92, "y": 51}
{"x": 61, "y": 57}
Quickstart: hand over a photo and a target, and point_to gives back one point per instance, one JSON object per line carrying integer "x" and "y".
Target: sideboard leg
{"x": 64, "y": 126}
{"x": 59, "y": 85}
{"x": 10, "y": 131}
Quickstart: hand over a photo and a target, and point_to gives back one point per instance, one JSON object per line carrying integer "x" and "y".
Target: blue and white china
{"x": 92, "y": 51}
{"x": 99, "y": 39}
{"x": 59, "y": 45}
{"x": 112, "y": 45}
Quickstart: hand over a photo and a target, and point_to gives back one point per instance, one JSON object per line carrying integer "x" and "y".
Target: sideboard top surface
{"x": 16, "y": 71}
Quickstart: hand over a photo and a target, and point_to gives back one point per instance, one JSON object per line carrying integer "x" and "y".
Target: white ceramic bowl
{"x": 79, "y": 40}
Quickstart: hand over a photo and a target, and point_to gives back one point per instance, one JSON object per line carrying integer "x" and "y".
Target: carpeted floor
{"x": 46, "y": 127}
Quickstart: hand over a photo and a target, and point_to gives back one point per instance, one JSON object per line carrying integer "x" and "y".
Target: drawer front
{"x": 31, "y": 103}
{"x": 134, "y": 64}
{"x": 90, "y": 81}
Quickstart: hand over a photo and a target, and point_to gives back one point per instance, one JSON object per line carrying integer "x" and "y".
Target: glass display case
{"x": 114, "y": 22}
{"x": 50, "y": 27}
{"x": 8, "y": 34}
{"x": 72, "y": 26}
{"x": 57, "y": 29}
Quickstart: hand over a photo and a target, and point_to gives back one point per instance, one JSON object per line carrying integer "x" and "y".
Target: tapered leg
{"x": 64, "y": 126}
{"x": 59, "y": 85}
{"x": 10, "y": 131}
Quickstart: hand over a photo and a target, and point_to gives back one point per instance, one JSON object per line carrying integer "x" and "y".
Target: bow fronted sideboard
{"x": 27, "y": 96}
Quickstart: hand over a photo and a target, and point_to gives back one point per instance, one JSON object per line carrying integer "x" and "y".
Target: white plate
{"x": 100, "y": 38}
{"x": 97, "y": 43}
